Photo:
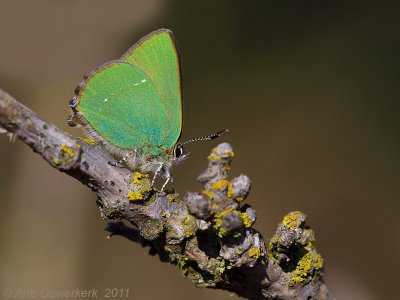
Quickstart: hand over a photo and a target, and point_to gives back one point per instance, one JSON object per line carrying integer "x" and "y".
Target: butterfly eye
{"x": 178, "y": 151}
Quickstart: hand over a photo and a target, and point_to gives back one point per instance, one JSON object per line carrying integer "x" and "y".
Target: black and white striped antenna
{"x": 206, "y": 137}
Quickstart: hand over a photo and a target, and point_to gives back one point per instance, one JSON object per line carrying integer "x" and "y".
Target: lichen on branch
{"x": 208, "y": 234}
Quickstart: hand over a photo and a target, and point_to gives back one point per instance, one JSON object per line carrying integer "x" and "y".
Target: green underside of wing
{"x": 123, "y": 106}
{"x": 157, "y": 57}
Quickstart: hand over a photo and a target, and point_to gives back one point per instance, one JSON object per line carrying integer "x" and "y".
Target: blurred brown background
{"x": 309, "y": 91}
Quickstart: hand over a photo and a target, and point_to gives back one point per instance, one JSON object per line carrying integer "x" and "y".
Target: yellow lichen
{"x": 223, "y": 184}
{"x": 171, "y": 197}
{"x": 189, "y": 233}
{"x": 309, "y": 233}
{"x": 218, "y": 220}
{"x": 140, "y": 194}
{"x": 220, "y": 266}
{"x": 303, "y": 269}
{"x": 208, "y": 193}
{"x": 138, "y": 177}
{"x": 310, "y": 261}
{"x": 213, "y": 157}
{"x": 227, "y": 167}
{"x": 254, "y": 252}
{"x": 229, "y": 191}
{"x": 237, "y": 234}
{"x": 65, "y": 149}
{"x": 220, "y": 184}
{"x": 239, "y": 199}
{"x": 291, "y": 220}
{"x": 189, "y": 226}
{"x": 229, "y": 152}
{"x": 238, "y": 251}
{"x": 88, "y": 141}
{"x": 246, "y": 221}
{"x": 141, "y": 187}
{"x": 135, "y": 195}
{"x": 218, "y": 225}
{"x": 272, "y": 248}
{"x": 222, "y": 231}
{"x": 56, "y": 161}
{"x": 186, "y": 220}
{"x": 318, "y": 261}
{"x": 223, "y": 213}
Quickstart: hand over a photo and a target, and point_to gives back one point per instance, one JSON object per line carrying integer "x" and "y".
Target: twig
{"x": 209, "y": 234}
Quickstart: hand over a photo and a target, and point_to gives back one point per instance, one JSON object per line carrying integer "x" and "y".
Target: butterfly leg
{"x": 165, "y": 183}
{"x": 120, "y": 163}
{"x": 156, "y": 173}
{"x": 169, "y": 179}
{"x": 172, "y": 183}
{"x": 72, "y": 120}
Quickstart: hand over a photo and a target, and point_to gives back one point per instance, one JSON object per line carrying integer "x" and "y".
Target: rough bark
{"x": 207, "y": 234}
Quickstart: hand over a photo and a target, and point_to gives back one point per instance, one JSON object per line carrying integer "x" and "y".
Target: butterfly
{"x": 133, "y": 106}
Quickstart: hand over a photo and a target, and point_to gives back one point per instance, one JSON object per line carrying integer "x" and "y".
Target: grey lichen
{"x": 245, "y": 249}
{"x": 219, "y": 204}
{"x": 240, "y": 187}
{"x": 211, "y": 239}
{"x": 199, "y": 205}
{"x": 292, "y": 248}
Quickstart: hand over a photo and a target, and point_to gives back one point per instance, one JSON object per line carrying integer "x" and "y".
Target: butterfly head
{"x": 180, "y": 153}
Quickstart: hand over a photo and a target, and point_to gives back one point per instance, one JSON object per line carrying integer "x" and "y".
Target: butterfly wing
{"x": 122, "y": 105}
{"x": 156, "y": 55}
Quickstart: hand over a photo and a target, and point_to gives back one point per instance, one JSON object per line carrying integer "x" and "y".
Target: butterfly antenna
{"x": 206, "y": 137}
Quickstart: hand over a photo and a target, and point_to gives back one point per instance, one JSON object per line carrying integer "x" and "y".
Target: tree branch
{"x": 208, "y": 234}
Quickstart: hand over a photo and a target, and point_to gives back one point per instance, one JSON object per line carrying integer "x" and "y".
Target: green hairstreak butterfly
{"x": 133, "y": 106}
